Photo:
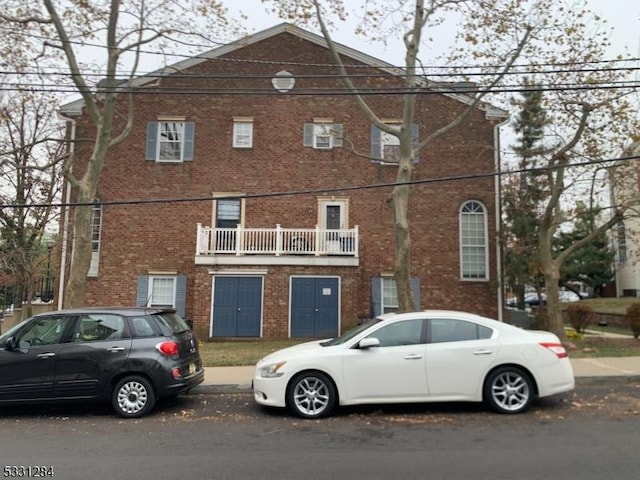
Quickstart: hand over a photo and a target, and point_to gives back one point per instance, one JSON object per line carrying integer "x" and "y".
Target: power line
{"x": 453, "y": 178}
{"x": 204, "y": 56}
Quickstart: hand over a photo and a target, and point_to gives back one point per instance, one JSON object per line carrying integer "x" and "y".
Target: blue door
{"x": 314, "y": 307}
{"x": 237, "y": 306}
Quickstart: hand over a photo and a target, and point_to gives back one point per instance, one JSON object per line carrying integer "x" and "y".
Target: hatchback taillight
{"x": 169, "y": 349}
{"x": 556, "y": 348}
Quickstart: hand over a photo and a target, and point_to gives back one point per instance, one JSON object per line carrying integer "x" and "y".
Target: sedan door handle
{"x": 413, "y": 356}
{"x": 46, "y": 355}
{"x": 115, "y": 349}
{"x": 482, "y": 352}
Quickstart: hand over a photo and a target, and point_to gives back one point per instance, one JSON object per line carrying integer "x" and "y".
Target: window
{"x": 385, "y": 148}
{"x": 243, "y": 133}
{"x": 408, "y": 332}
{"x": 389, "y": 148}
{"x": 384, "y": 296}
{"x": 389, "y": 295}
{"x": 227, "y": 217}
{"x": 228, "y": 213}
{"x": 162, "y": 290}
{"x": 170, "y": 141}
{"x": 473, "y": 241}
{"x": 323, "y": 136}
{"x": 448, "y": 330}
{"x": 45, "y": 331}
{"x": 93, "y": 328}
{"x": 96, "y": 225}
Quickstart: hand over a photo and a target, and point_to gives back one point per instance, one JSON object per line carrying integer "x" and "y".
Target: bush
{"x": 633, "y": 316}
{"x": 579, "y": 315}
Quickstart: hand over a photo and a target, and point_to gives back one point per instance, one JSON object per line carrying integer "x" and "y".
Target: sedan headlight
{"x": 272, "y": 371}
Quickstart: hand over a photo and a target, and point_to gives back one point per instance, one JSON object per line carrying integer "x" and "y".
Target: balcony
{"x": 276, "y": 246}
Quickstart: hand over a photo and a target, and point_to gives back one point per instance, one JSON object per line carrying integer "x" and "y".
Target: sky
{"x": 623, "y": 16}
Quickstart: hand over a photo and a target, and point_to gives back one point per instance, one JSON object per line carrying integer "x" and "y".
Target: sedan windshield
{"x": 350, "y": 334}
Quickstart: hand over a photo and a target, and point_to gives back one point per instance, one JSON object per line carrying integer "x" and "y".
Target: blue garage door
{"x": 237, "y": 306}
{"x": 314, "y": 307}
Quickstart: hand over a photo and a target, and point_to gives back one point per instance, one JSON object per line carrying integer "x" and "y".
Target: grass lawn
{"x": 241, "y": 352}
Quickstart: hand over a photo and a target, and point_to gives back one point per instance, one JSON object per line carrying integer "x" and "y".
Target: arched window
{"x": 474, "y": 258}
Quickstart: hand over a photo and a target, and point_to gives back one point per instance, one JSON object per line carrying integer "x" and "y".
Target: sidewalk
{"x": 606, "y": 369}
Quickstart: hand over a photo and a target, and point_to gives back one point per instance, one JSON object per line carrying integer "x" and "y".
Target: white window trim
{"x": 385, "y": 279}
{"x": 322, "y": 130}
{"x": 94, "y": 267}
{"x": 486, "y": 242}
{"x": 343, "y": 203}
{"x": 159, "y": 140}
{"x": 150, "y": 289}
{"x": 237, "y": 135}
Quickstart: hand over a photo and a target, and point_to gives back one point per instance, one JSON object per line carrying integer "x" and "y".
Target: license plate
{"x": 192, "y": 368}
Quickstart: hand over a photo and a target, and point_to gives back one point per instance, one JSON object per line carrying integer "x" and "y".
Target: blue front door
{"x": 314, "y": 307}
{"x": 237, "y": 306}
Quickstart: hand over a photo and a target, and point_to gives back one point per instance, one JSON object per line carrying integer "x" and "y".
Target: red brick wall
{"x": 139, "y": 238}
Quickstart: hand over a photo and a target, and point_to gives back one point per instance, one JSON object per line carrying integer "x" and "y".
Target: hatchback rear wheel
{"x": 509, "y": 390}
{"x": 133, "y": 397}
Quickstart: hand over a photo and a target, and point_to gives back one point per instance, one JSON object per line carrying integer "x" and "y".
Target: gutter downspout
{"x": 498, "y": 214}
{"x": 65, "y": 223}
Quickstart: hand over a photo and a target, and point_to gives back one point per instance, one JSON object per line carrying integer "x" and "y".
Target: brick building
{"x": 238, "y": 125}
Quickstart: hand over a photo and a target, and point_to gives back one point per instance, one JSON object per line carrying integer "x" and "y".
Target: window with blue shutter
{"x": 384, "y": 296}
{"x": 161, "y": 291}
{"x": 170, "y": 141}
{"x": 386, "y": 147}
{"x": 322, "y": 136}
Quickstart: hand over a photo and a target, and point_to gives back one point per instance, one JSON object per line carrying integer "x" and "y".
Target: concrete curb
{"x": 246, "y": 388}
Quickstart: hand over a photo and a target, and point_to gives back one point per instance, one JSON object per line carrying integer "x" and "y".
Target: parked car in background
{"x": 130, "y": 356}
{"x": 428, "y": 356}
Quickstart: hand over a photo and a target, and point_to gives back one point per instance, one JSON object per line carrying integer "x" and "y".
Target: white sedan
{"x": 428, "y": 356}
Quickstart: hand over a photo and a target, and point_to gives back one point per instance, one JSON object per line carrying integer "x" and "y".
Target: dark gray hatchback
{"x": 130, "y": 356}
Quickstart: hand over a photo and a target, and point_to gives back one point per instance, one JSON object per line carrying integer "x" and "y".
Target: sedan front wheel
{"x": 311, "y": 395}
{"x": 509, "y": 390}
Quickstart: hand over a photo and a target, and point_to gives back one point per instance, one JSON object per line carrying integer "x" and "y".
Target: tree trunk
{"x": 81, "y": 256}
{"x": 402, "y": 270}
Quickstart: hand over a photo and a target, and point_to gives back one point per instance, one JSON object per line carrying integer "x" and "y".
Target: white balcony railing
{"x": 277, "y": 241}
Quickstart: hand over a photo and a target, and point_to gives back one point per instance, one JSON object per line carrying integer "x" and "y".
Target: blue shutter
{"x": 142, "y": 291}
{"x": 376, "y": 296}
{"x": 189, "y": 138}
{"x": 181, "y": 294}
{"x": 337, "y": 134}
{"x": 375, "y": 143}
{"x": 308, "y": 135}
{"x": 415, "y": 141}
{"x": 415, "y": 287}
{"x": 152, "y": 140}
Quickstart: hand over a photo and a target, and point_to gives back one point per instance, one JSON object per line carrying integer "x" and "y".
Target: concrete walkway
{"x": 238, "y": 379}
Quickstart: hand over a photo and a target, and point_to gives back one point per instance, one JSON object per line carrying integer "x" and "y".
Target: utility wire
{"x": 323, "y": 190}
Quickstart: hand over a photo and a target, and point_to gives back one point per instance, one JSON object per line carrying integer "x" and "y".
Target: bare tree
{"x": 54, "y": 36}
{"x": 31, "y": 158}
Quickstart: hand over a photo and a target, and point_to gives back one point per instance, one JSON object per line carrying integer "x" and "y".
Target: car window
{"x": 98, "y": 327}
{"x": 171, "y": 323}
{"x": 451, "y": 330}
{"x": 406, "y": 332}
{"x": 44, "y": 330}
{"x": 142, "y": 326}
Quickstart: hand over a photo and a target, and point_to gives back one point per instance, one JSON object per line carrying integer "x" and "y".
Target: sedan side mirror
{"x": 368, "y": 342}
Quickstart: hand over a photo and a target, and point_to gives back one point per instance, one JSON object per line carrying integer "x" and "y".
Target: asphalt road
{"x": 593, "y": 433}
